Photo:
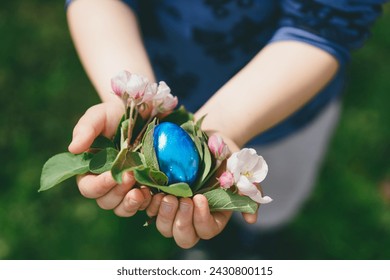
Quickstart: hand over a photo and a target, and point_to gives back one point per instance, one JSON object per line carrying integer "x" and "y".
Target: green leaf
{"x": 63, "y": 166}
{"x": 179, "y": 116}
{"x": 126, "y": 161}
{"x": 199, "y": 122}
{"x": 207, "y": 160}
{"x": 189, "y": 127}
{"x": 101, "y": 143}
{"x": 205, "y": 168}
{"x": 148, "y": 147}
{"x": 220, "y": 199}
{"x": 153, "y": 178}
{"x": 103, "y": 160}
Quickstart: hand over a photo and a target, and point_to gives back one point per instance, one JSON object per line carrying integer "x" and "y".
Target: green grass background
{"x": 43, "y": 93}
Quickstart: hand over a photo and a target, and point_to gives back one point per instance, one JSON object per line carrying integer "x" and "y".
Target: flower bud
{"x": 226, "y": 180}
{"x": 218, "y": 147}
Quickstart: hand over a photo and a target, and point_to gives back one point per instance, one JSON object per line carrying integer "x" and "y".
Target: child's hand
{"x": 189, "y": 220}
{"x": 122, "y": 198}
{"x": 186, "y": 220}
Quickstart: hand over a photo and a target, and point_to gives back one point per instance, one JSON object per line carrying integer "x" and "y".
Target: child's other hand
{"x": 189, "y": 220}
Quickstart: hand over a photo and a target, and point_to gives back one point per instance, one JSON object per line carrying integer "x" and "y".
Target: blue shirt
{"x": 196, "y": 46}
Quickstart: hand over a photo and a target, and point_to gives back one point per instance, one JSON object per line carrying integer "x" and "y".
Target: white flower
{"x": 248, "y": 168}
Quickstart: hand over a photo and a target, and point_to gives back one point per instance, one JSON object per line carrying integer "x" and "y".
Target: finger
{"x": 183, "y": 228}
{"x": 130, "y": 204}
{"x": 94, "y": 186}
{"x": 148, "y": 197}
{"x": 90, "y": 125}
{"x": 154, "y": 206}
{"x": 250, "y": 218}
{"x": 114, "y": 197}
{"x": 208, "y": 225}
{"x": 166, "y": 215}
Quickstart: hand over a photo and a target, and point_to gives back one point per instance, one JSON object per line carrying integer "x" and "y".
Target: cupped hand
{"x": 123, "y": 199}
{"x": 189, "y": 220}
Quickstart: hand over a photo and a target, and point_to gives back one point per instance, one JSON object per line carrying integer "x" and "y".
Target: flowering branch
{"x": 170, "y": 152}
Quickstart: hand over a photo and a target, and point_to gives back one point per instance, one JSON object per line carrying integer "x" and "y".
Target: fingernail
{"x": 73, "y": 141}
{"x": 133, "y": 202}
{"x": 184, "y": 207}
{"x": 128, "y": 179}
{"x": 199, "y": 202}
{"x": 166, "y": 207}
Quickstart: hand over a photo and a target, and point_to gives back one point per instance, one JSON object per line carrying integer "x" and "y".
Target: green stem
{"x": 201, "y": 191}
{"x": 130, "y": 128}
{"x": 136, "y": 147}
{"x": 211, "y": 173}
{"x": 138, "y": 139}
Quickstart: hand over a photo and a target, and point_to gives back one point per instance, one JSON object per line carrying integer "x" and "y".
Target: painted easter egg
{"x": 176, "y": 153}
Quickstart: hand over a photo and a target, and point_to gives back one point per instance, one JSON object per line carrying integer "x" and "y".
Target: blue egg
{"x": 176, "y": 153}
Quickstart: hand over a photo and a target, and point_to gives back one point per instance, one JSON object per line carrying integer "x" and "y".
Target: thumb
{"x": 90, "y": 125}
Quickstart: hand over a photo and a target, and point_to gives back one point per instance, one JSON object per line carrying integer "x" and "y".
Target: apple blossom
{"x": 150, "y": 92}
{"x": 136, "y": 87}
{"x": 218, "y": 147}
{"x": 131, "y": 87}
{"x": 248, "y": 168}
{"x": 119, "y": 84}
{"x": 163, "y": 101}
{"x": 226, "y": 180}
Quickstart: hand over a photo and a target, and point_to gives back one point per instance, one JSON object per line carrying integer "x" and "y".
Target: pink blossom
{"x": 226, "y": 180}
{"x": 163, "y": 101}
{"x": 150, "y": 92}
{"x": 248, "y": 168}
{"x": 218, "y": 147}
{"x": 131, "y": 87}
{"x": 119, "y": 83}
{"x": 136, "y": 87}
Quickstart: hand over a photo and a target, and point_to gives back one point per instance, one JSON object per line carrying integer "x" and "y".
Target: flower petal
{"x": 232, "y": 166}
{"x": 246, "y": 187}
{"x": 260, "y": 199}
{"x": 118, "y": 83}
{"x": 248, "y": 157}
{"x": 260, "y": 170}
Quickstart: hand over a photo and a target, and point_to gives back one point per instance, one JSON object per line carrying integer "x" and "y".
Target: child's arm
{"x": 276, "y": 83}
{"x": 108, "y": 40}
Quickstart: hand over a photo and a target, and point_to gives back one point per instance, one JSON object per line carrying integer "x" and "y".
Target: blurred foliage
{"x": 44, "y": 91}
